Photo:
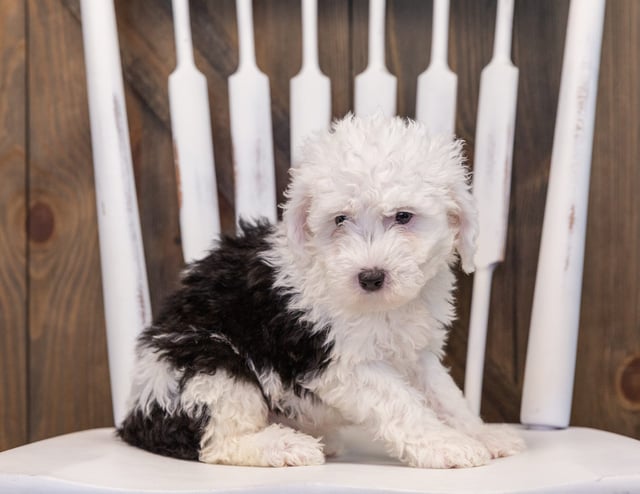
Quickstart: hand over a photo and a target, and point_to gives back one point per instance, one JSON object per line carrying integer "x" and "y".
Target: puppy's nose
{"x": 371, "y": 279}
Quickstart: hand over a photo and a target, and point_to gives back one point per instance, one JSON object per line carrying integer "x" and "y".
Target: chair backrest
{"x": 560, "y": 269}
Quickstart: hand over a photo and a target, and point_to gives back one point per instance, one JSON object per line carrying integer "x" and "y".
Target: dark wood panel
{"x": 539, "y": 78}
{"x": 359, "y": 29}
{"x": 146, "y": 36}
{"x": 335, "y": 58}
{"x": 69, "y": 382}
{"x": 607, "y": 387}
{"x": 216, "y": 39}
{"x": 13, "y": 175}
{"x": 470, "y": 45}
{"x": 540, "y": 71}
{"x": 152, "y": 155}
{"x": 409, "y": 25}
{"x": 278, "y": 55}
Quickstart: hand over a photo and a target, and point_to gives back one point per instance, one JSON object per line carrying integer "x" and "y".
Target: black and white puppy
{"x": 338, "y": 315}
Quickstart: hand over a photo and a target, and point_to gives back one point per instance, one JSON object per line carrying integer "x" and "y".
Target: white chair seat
{"x": 572, "y": 460}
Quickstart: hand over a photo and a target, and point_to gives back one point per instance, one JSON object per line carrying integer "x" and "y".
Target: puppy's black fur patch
{"x": 226, "y": 316}
{"x": 176, "y": 434}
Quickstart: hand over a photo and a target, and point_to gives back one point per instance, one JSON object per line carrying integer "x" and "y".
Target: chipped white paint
{"x": 193, "y": 145}
{"x": 310, "y": 88}
{"x": 551, "y": 354}
{"x": 438, "y": 85}
{"x": 251, "y": 135}
{"x": 124, "y": 277}
{"x": 375, "y": 88}
{"x": 491, "y": 187}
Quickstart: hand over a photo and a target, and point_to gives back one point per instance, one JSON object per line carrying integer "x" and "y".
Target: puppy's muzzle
{"x": 371, "y": 279}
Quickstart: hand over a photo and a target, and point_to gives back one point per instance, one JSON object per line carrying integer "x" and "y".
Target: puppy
{"x": 338, "y": 315}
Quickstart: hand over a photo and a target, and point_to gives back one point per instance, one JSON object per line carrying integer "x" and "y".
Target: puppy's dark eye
{"x": 403, "y": 217}
{"x": 340, "y": 219}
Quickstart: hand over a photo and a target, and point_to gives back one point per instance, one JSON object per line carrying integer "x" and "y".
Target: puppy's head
{"x": 376, "y": 208}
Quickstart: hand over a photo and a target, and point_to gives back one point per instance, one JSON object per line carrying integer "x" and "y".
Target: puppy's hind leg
{"x": 238, "y": 431}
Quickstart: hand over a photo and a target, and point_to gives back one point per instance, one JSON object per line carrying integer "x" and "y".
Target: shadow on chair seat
{"x": 571, "y": 460}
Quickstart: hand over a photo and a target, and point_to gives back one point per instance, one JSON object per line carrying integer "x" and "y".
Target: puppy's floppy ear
{"x": 463, "y": 217}
{"x": 296, "y": 210}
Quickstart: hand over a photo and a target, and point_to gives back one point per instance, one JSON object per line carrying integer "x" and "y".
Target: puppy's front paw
{"x": 333, "y": 444}
{"x": 446, "y": 449}
{"x": 500, "y": 439}
{"x": 293, "y": 448}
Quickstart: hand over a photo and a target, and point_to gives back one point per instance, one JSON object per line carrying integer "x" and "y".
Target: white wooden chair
{"x": 558, "y": 459}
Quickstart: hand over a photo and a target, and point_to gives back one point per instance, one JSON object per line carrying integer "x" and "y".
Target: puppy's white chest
{"x": 397, "y": 338}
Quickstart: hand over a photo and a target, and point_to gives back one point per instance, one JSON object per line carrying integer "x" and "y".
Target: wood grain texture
{"x": 146, "y": 40}
{"x": 609, "y": 338}
{"x": 470, "y": 45}
{"x": 409, "y": 26}
{"x": 276, "y": 57}
{"x": 146, "y": 29}
{"x": 335, "y": 58}
{"x": 69, "y": 382}
{"x": 13, "y": 247}
{"x": 514, "y": 280}
{"x": 67, "y": 374}
{"x": 540, "y": 72}
{"x": 215, "y": 38}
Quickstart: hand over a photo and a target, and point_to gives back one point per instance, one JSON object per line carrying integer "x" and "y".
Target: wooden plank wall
{"x": 53, "y": 366}
{"x": 13, "y": 240}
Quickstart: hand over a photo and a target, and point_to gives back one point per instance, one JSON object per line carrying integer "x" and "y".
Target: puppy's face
{"x": 377, "y": 247}
{"x": 379, "y": 208}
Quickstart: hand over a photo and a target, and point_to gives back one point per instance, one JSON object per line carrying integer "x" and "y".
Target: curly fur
{"x": 276, "y": 327}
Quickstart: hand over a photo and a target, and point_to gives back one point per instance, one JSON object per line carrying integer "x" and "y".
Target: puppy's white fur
{"x": 384, "y": 371}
